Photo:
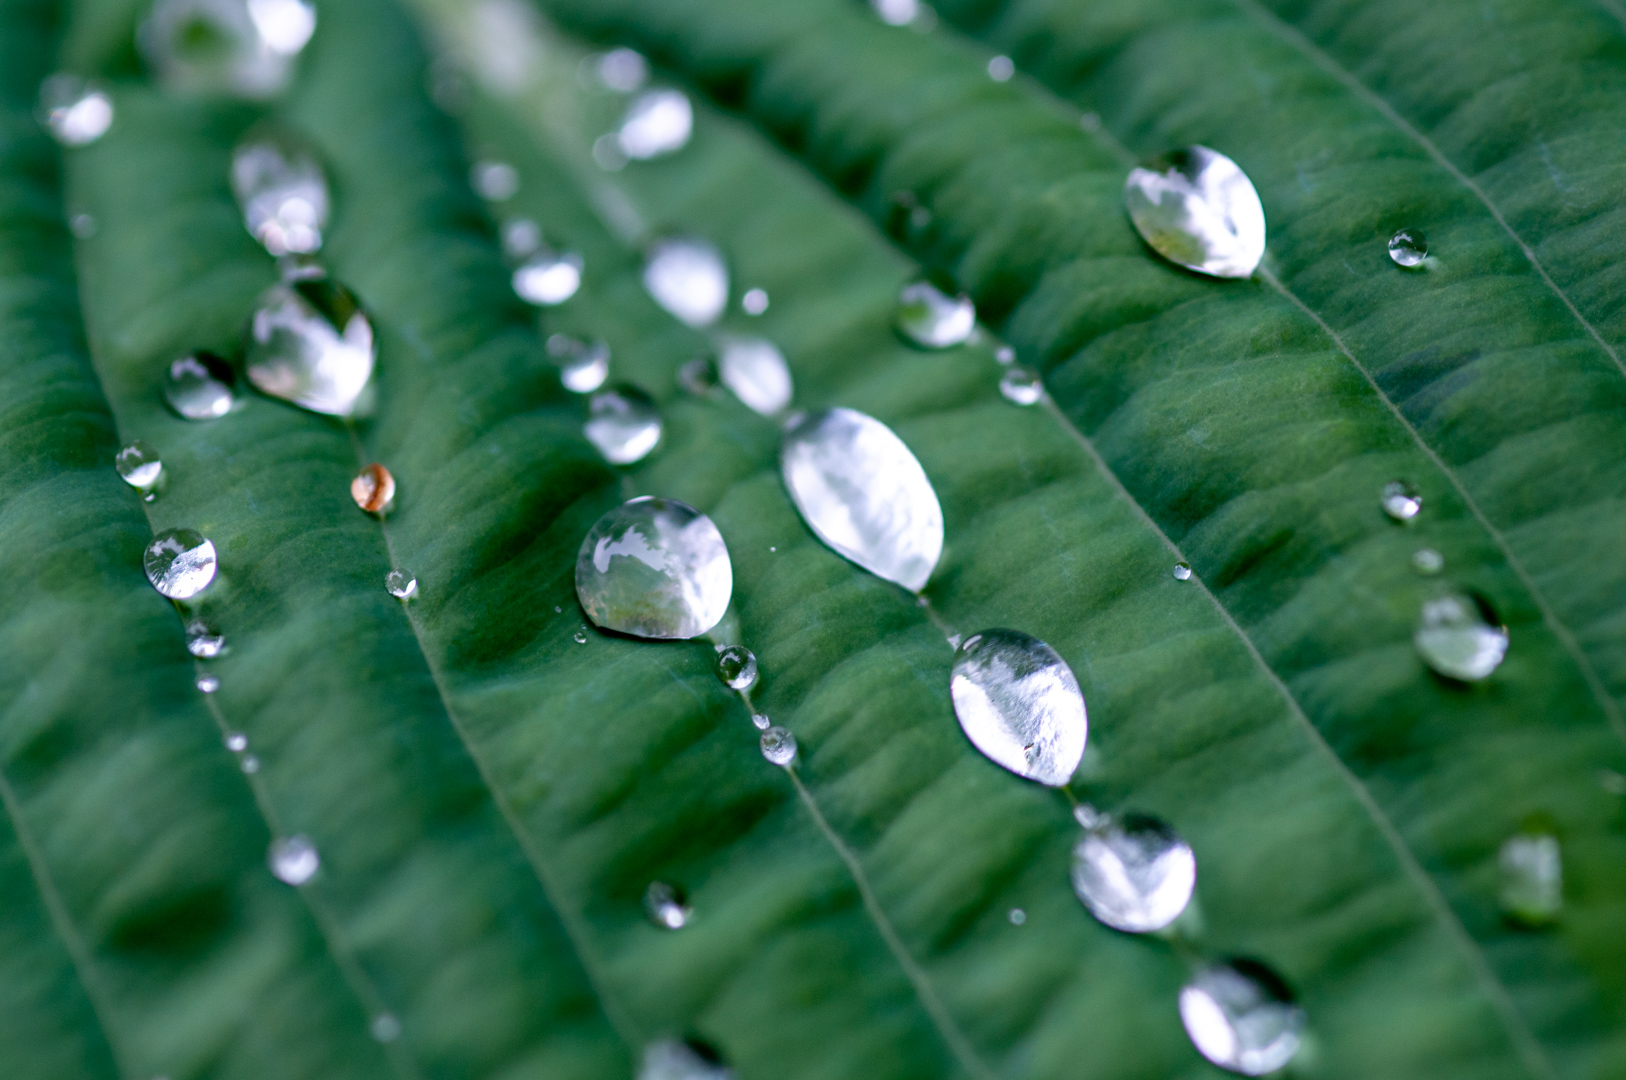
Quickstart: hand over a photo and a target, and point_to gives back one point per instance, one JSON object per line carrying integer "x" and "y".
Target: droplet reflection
{"x": 400, "y": 584}
{"x": 623, "y": 423}
{"x": 736, "y": 667}
{"x": 931, "y": 315}
{"x": 669, "y": 1059}
{"x": 583, "y": 364}
{"x": 140, "y": 467}
{"x": 204, "y": 641}
{"x": 1019, "y": 704}
{"x": 1408, "y": 248}
{"x": 1460, "y": 636}
{"x": 200, "y": 386}
{"x": 1241, "y": 1016}
{"x": 1021, "y": 386}
{"x": 311, "y": 345}
{"x": 755, "y": 370}
{"x": 76, "y": 112}
{"x": 294, "y": 859}
{"x": 779, "y": 746}
{"x": 658, "y": 122}
{"x": 243, "y": 48}
{"x": 549, "y": 278}
{"x": 664, "y": 904}
{"x": 282, "y": 193}
{"x": 654, "y": 568}
{"x": 1197, "y": 208}
{"x": 1401, "y": 501}
{"x": 180, "y": 563}
{"x": 688, "y": 278}
{"x": 1133, "y": 872}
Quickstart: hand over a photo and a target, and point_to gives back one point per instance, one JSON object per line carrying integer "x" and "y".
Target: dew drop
{"x": 754, "y": 302}
{"x": 373, "y": 489}
{"x": 658, "y": 122}
{"x": 1401, "y": 501}
{"x": 243, "y": 49}
{"x": 1241, "y": 1016}
{"x": 236, "y": 742}
{"x": 549, "y": 278}
{"x": 761, "y": 722}
{"x": 779, "y": 746}
{"x": 737, "y": 667}
{"x": 282, "y": 193}
{"x": 521, "y": 237}
{"x": 83, "y": 226}
{"x": 623, "y": 423}
{"x": 385, "y": 1028}
{"x": 1134, "y": 873}
{"x": 931, "y": 315}
{"x": 1460, "y": 636}
{"x": 896, "y": 12}
{"x": 1017, "y": 916}
{"x": 1182, "y": 572}
{"x": 294, "y": 859}
{"x": 1427, "y": 561}
{"x": 140, "y": 466}
{"x": 311, "y": 345}
{"x": 496, "y": 181}
{"x": 583, "y": 364}
{"x": 756, "y": 371}
{"x": 204, "y": 641}
{"x": 180, "y": 563}
{"x": 1532, "y": 879}
{"x": 579, "y": 637}
{"x": 1005, "y": 354}
{"x": 623, "y": 70}
{"x": 1001, "y": 68}
{"x": 1019, "y": 704}
{"x": 208, "y": 684}
{"x": 76, "y": 112}
{"x": 654, "y": 568}
{"x": 1198, "y": 209}
{"x": 664, "y": 904}
{"x": 699, "y": 376}
{"x": 1408, "y": 248}
{"x": 669, "y": 1059}
{"x": 200, "y": 386}
{"x": 251, "y": 764}
{"x": 401, "y": 585}
{"x": 1021, "y": 386}
{"x": 688, "y": 278}
{"x": 864, "y": 494}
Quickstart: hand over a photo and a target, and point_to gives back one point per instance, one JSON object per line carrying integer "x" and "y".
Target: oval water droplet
{"x": 579, "y": 637}
{"x": 1408, "y": 248}
{"x": 933, "y": 315}
{"x": 1198, "y": 209}
{"x": 496, "y": 181}
{"x": 862, "y": 492}
{"x": 623, "y": 70}
{"x": 1021, "y": 386}
{"x": 140, "y": 466}
{"x": 688, "y": 278}
{"x": 1401, "y": 501}
{"x": 654, "y": 568}
{"x": 1018, "y": 703}
{"x": 1532, "y": 879}
{"x": 208, "y": 684}
{"x": 180, "y": 563}
{"x": 1241, "y": 1016}
{"x": 658, "y": 122}
{"x": 669, "y": 1059}
{"x": 737, "y": 667}
{"x": 311, "y": 345}
{"x": 754, "y": 302}
{"x": 549, "y": 278}
{"x": 623, "y": 423}
{"x": 755, "y": 370}
{"x": 373, "y": 489}
{"x": 760, "y": 721}
{"x": 236, "y": 742}
{"x": 74, "y": 111}
{"x": 294, "y": 859}
{"x": 664, "y": 904}
{"x": 200, "y": 386}
{"x": 1133, "y": 872}
{"x": 779, "y": 746}
{"x": 1001, "y": 68}
{"x": 282, "y": 193}
{"x": 243, "y": 49}
{"x": 1182, "y": 572}
{"x": 204, "y": 641}
{"x": 1427, "y": 561}
{"x": 1017, "y": 916}
{"x": 583, "y": 364}
{"x": 1460, "y": 636}
{"x": 400, "y": 584}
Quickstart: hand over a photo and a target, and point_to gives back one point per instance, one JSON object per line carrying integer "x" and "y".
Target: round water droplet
{"x": 896, "y": 12}
{"x": 1021, "y": 386}
{"x": 76, "y": 112}
{"x": 737, "y": 667}
{"x": 654, "y": 568}
{"x": 664, "y": 905}
{"x": 658, "y": 122}
{"x": 1532, "y": 879}
{"x": 311, "y": 345}
{"x": 669, "y": 1059}
{"x": 1017, "y": 916}
{"x": 208, "y": 684}
{"x": 579, "y": 637}
{"x": 1460, "y": 636}
{"x": 755, "y": 370}
{"x": 244, "y": 49}
{"x": 1018, "y": 703}
{"x": 1408, "y": 248}
{"x": 932, "y": 315}
{"x": 204, "y": 641}
{"x": 373, "y": 489}
{"x": 385, "y": 1028}
{"x": 1005, "y": 354}
{"x": 236, "y": 742}
{"x": 82, "y": 226}
{"x": 201, "y": 386}
{"x": 1182, "y": 572}
{"x": 583, "y": 364}
{"x": 698, "y": 376}
{"x": 1427, "y": 561}
{"x": 863, "y": 493}
{"x": 497, "y": 181}
{"x": 1001, "y": 68}
{"x": 761, "y": 722}
{"x": 1134, "y": 872}
{"x": 623, "y": 70}
{"x": 688, "y": 278}
{"x": 623, "y": 423}
{"x": 140, "y": 466}
{"x": 1198, "y": 209}
{"x": 779, "y": 746}
{"x": 294, "y": 859}
{"x": 401, "y": 585}
{"x": 282, "y": 193}
{"x": 549, "y": 278}
{"x": 754, "y": 302}
{"x": 1241, "y": 1016}
{"x": 251, "y": 764}
{"x": 1401, "y": 501}
{"x": 180, "y": 563}
{"x": 521, "y": 237}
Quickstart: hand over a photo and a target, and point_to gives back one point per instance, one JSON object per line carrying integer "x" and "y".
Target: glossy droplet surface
{"x": 755, "y": 370}
{"x": 669, "y": 1059}
{"x": 373, "y": 489}
{"x": 1001, "y": 68}
{"x": 208, "y": 684}
{"x": 200, "y": 386}
{"x": 1532, "y": 870}
{"x": 294, "y": 859}
{"x": 896, "y": 12}
{"x": 664, "y": 905}
{"x": 75, "y": 112}
{"x": 243, "y": 48}
{"x": 654, "y": 568}
{"x": 1018, "y": 703}
{"x": 583, "y": 364}
{"x": 623, "y": 423}
{"x": 1241, "y": 1016}
{"x": 236, "y": 742}
{"x": 180, "y": 563}
{"x": 401, "y": 585}
{"x": 1401, "y": 501}
{"x": 282, "y": 193}
{"x": 1460, "y": 636}
{"x": 140, "y": 466}
{"x": 862, "y": 492}
{"x": 657, "y": 122}
{"x": 204, "y": 641}
{"x": 1408, "y": 248}
{"x": 549, "y": 278}
{"x": 778, "y": 746}
{"x": 1134, "y": 872}
{"x": 931, "y": 316}
{"x": 688, "y": 278}
{"x": 1021, "y": 386}
{"x": 1182, "y": 572}
{"x": 1197, "y": 208}
{"x": 311, "y": 345}
{"x": 754, "y": 302}
{"x": 736, "y": 666}
{"x": 760, "y": 721}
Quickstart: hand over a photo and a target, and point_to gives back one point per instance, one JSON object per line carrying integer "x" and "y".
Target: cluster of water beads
{"x": 282, "y": 192}
{"x": 666, "y": 907}
{"x": 141, "y": 468}
{"x": 1195, "y": 207}
{"x": 623, "y": 422}
{"x": 1408, "y": 248}
{"x": 242, "y": 48}
{"x": 294, "y": 859}
{"x": 669, "y": 1059}
{"x": 931, "y": 315}
{"x": 1460, "y": 636}
{"x": 200, "y": 386}
{"x": 583, "y": 364}
{"x": 1133, "y": 872}
{"x": 373, "y": 489}
{"x": 180, "y": 563}
{"x": 654, "y": 568}
{"x": 311, "y": 345}
{"x": 1242, "y": 1017}
{"x": 688, "y": 278}
{"x": 74, "y": 111}
{"x": 1020, "y": 705}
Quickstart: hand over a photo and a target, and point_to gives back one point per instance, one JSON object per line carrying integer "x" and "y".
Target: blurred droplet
{"x": 688, "y": 278}
{"x": 385, "y": 1028}
{"x": 76, "y": 112}
{"x": 282, "y": 193}
{"x": 548, "y": 278}
{"x": 654, "y": 568}
{"x": 623, "y": 423}
{"x": 737, "y": 667}
{"x": 668, "y": 1059}
{"x": 664, "y": 905}
{"x": 896, "y": 12}
{"x": 754, "y": 302}
{"x": 400, "y": 584}
{"x": 200, "y": 386}
{"x": 1241, "y": 1016}
{"x": 699, "y": 376}
{"x": 204, "y": 641}
{"x": 1408, "y": 248}
{"x": 761, "y": 722}
{"x": 579, "y": 637}
{"x": 495, "y": 181}
{"x": 1001, "y": 68}
{"x": 1019, "y": 704}
{"x": 1460, "y": 636}
{"x": 1021, "y": 386}
{"x": 284, "y": 25}
{"x": 83, "y": 226}
{"x": 373, "y": 489}
{"x": 208, "y": 684}
{"x": 658, "y": 122}
{"x": 583, "y": 364}
{"x": 251, "y": 764}
{"x": 1427, "y": 561}
{"x": 180, "y": 563}
{"x": 521, "y": 237}
{"x": 607, "y": 152}
{"x": 236, "y": 741}
{"x": 1182, "y": 572}
{"x": 930, "y": 317}
{"x": 623, "y": 70}
{"x": 1197, "y": 208}
{"x": 756, "y": 371}
{"x": 140, "y": 467}
{"x": 1005, "y": 354}
{"x": 1401, "y": 501}
{"x": 1017, "y": 916}
{"x": 294, "y": 859}
{"x": 1532, "y": 879}
{"x": 1134, "y": 873}
{"x": 311, "y": 345}
{"x": 779, "y": 746}
{"x": 241, "y": 48}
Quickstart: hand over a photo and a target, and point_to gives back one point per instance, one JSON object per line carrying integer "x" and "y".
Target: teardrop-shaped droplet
{"x": 495, "y": 181}
{"x": 1197, "y": 208}
{"x": 755, "y": 370}
{"x": 1408, "y": 248}
{"x": 1532, "y": 879}
{"x": 654, "y": 568}
{"x": 140, "y": 466}
{"x": 583, "y": 364}
{"x": 1021, "y": 386}
{"x": 311, "y": 345}
{"x": 401, "y": 584}
{"x": 1241, "y": 1016}
{"x": 664, "y": 905}
{"x": 688, "y": 278}
{"x": 778, "y": 746}
{"x": 200, "y": 386}
{"x": 294, "y": 859}
{"x": 1133, "y": 872}
{"x": 932, "y": 315}
{"x": 622, "y": 70}
{"x": 1182, "y": 571}
{"x": 1018, "y": 703}
{"x": 282, "y": 193}
{"x": 862, "y": 492}
{"x": 1460, "y": 636}
{"x": 623, "y": 423}
{"x": 75, "y": 112}
{"x": 737, "y": 667}
{"x": 204, "y": 641}
{"x": 243, "y": 48}
{"x": 669, "y": 1059}
{"x": 549, "y": 277}
{"x": 180, "y": 563}
{"x": 373, "y": 489}
{"x": 1401, "y": 501}
{"x": 658, "y": 122}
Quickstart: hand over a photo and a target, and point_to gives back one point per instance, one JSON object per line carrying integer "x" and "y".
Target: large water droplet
{"x": 1401, "y": 501}
{"x": 180, "y": 563}
{"x": 204, "y": 641}
{"x": 623, "y": 70}
{"x": 779, "y": 746}
{"x": 1408, "y": 248}
{"x": 623, "y": 423}
{"x": 140, "y": 466}
{"x": 932, "y": 315}
{"x": 200, "y": 386}
{"x": 401, "y": 584}
{"x": 862, "y": 492}
{"x": 1532, "y": 878}
{"x": 669, "y": 1059}
{"x": 1133, "y": 872}
{"x": 1197, "y": 208}
{"x": 294, "y": 859}
{"x": 688, "y": 278}
{"x": 549, "y": 277}
{"x": 737, "y": 667}
{"x": 239, "y": 47}
{"x": 657, "y": 122}
{"x": 1018, "y": 703}
{"x": 282, "y": 193}
{"x": 311, "y": 345}
{"x": 75, "y": 112}
{"x": 664, "y": 905}
{"x": 1460, "y": 636}
{"x": 583, "y": 364}
{"x": 756, "y": 371}
{"x": 1021, "y": 386}
{"x": 654, "y": 568}
{"x": 1241, "y": 1016}
{"x": 373, "y": 489}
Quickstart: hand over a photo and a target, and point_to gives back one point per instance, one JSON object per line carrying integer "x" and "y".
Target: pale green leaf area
{"x": 491, "y": 797}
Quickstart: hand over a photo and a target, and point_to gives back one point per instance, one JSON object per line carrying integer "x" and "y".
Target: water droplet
{"x": 311, "y": 345}
{"x": 607, "y": 153}
{"x": 654, "y": 568}
{"x": 245, "y": 49}
{"x": 251, "y": 764}
{"x": 779, "y": 746}
{"x": 1198, "y": 209}
{"x": 385, "y": 1028}
{"x": 1018, "y": 703}
{"x": 1017, "y": 916}
{"x": 664, "y": 905}
{"x": 1001, "y": 68}
{"x": 200, "y": 386}
{"x": 1241, "y": 1016}
{"x": 1134, "y": 872}
{"x": 208, "y": 684}
{"x": 657, "y": 122}
{"x": 282, "y": 193}
{"x": 294, "y": 859}
{"x": 669, "y": 1059}
{"x": 521, "y": 237}
{"x": 754, "y": 302}
{"x": 579, "y": 637}
{"x": 1408, "y": 248}
{"x": 83, "y": 226}
{"x": 932, "y": 315}
{"x": 761, "y": 722}
{"x": 1021, "y": 386}
{"x": 549, "y": 278}
{"x": 1005, "y": 354}
{"x": 896, "y": 12}
{"x": 140, "y": 466}
{"x": 623, "y": 70}
{"x": 1182, "y": 572}
{"x": 688, "y": 278}
{"x": 756, "y": 371}
{"x": 1612, "y": 782}
{"x": 698, "y": 376}
{"x": 1401, "y": 501}
{"x": 1427, "y": 561}
{"x": 373, "y": 489}
{"x": 862, "y": 492}
{"x": 401, "y": 585}
{"x": 75, "y": 112}
{"x": 284, "y": 25}
{"x": 623, "y": 423}
{"x": 1532, "y": 879}
{"x": 204, "y": 641}
{"x": 236, "y": 742}
{"x": 1460, "y": 636}
{"x": 737, "y": 667}
{"x": 494, "y": 180}
{"x": 180, "y": 563}
{"x": 583, "y": 364}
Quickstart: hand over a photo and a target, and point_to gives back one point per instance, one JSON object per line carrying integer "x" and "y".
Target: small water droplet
{"x": 1017, "y": 916}
{"x": 1198, "y": 209}
{"x": 654, "y": 568}
{"x": 557, "y": 610}
{"x": 76, "y": 112}
{"x": 664, "y": 904}
{"x": 1021, "y": 386}
{"x": 311, "y": 345}
{"x": 1087, "y": 815}
{"x": 932, "y": 315}
{"x": 864, "y": 494}
{"x": 668, "y": 1059}
{"x": 401, "y": 585}
{"x": 521, "y": 237}
{"x": 373, "y": 489}
{"x": 623, "y": 423}
{"x": 1005, "y": 354}
{"x": 282, "y": 193}
{"x": 385, "y": 1028}
{"x": 294, "y": 859}
{"x": 896, "y": 12}
{"x": 1134, "y": 873}
{"x": 83, "y": 226}
{"x": 241, "y": 49}
{"x": 140, "y": 466}
{"x": 755, "y": 370}
{"x": 251, "y": 764}
{"x": 1001, "y": 68}
{"x": 754, "y": 302}
{"x": 579, "y": 637}
{"x": 236, "y": 742}
{"x": 583, "y": 364}
{"x": 204, "y": 641}
{"x": 180, "y": 563}
{"x": 699, "y": 376}
{"x": 688, "y": 278}
{"x": 761, "y": 722}
{"x": 623, "y": 70}
{"x": 1532, "y": 879}
{"x": 1241, "y": 1016}
{"x": 549, "y": 278}
{"x": 1401, "y": 501}
{"x": 1427, "y": 561}
{"x": 1182, "y": 572}
{"x": 658, "y": 122}
{"x": 200, "y": 386}
{"x": 208, "y": 684}
{"x": 737, "y": 667}
{"x": 779, "y": 746}
{"x": 1019, "y": 704}
{"x": 1408, "y": 248}
{"x": 1460, "y": 636}
{"x": 496, "y": 181}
